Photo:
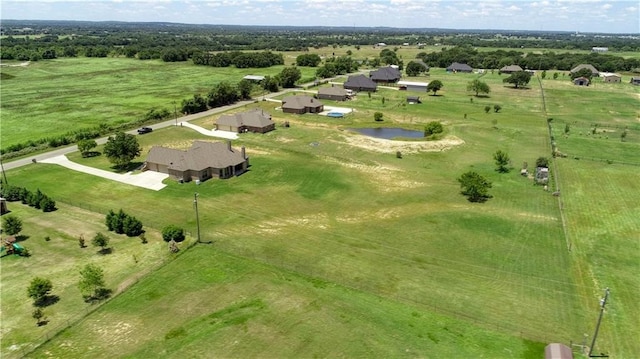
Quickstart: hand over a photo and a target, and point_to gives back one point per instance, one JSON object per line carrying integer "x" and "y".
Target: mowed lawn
{"x": 391, "y": 237}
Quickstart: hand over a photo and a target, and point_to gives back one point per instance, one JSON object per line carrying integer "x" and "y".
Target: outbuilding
{"x": 413, "y": 86}
{"x": 581, "y": 81}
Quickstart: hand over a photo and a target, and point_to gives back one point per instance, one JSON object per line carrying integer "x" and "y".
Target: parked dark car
{"x": 143, "y": 130}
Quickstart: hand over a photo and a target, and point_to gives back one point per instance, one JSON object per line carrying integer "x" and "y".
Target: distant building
{"x": 610, "y": 78}
{"x": 593, "y": 70}
{"x": 635, "y": 81}
{"x": 254, "y": 78}
{"x": 457, "y": 67}
{"x": 599, "y": 49}
{"x": 413, "y": 86}
{"x": 387, "y": 74}
{"x": 542, "y": 175}
{"x": 413, "y": 99}
{"x": 510, "y": 69}
{"x": 581, "y": 81}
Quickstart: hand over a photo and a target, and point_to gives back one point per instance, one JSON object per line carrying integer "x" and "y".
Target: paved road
{"x": 63, "y": 151}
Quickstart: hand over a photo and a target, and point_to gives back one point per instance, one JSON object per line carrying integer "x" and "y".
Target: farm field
{"x": 330, "y": 246}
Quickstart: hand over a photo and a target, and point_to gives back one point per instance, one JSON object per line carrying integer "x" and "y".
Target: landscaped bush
{"x": 123, "y": 223}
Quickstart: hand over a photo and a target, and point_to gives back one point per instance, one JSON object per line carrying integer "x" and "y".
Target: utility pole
{"x": 603, "y": 302}
{"x": 4, "y": 174}
{"x": 175, "y": 112}
{"x": 195, "y": 204}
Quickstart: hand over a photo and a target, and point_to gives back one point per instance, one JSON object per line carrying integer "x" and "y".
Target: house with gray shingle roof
{"x": 249, "y": 121}
{"x": 593, "y": 70}
{"x": 457, "y": 67}
{"x": 332, "y": 93}
{"x": 385, "y": 75}
{"x": 510, "y": 69}
{"x": 360, "y": 83}
{"x": 202, "y": 161}
{"x": 301, "y": 104}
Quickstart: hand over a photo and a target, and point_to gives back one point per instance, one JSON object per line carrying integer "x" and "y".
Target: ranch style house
{"x": 360, "y": 83}
{"x": 250, "y": 121}
{"x": 301, "y": 104}
{"x": 332, "y": 93}
{"x": 202, "y": 161}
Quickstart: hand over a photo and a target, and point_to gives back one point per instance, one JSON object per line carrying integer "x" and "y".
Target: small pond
{"x": 388, "y": 132}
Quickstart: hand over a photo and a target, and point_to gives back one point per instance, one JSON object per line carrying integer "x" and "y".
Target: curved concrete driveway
{"x": 148, "y": 179}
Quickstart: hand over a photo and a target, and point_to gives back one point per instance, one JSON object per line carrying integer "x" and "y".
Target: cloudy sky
{"x": 566, "y": 15}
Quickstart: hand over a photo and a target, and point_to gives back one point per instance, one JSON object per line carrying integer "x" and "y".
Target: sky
{"x": 560, "y": 15}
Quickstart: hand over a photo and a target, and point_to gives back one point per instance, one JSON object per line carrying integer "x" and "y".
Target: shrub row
{"x": 34, "y": 199}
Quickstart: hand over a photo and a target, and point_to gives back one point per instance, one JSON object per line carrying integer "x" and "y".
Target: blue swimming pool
{"x": 335, "y": 114}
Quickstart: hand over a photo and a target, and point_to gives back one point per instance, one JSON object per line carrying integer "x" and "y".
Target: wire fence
{"x": 24, "y": 351}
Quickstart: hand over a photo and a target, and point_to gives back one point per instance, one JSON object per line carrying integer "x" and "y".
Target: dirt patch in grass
{"x": 390, "y": 146}
{"x": 393, "y": 179}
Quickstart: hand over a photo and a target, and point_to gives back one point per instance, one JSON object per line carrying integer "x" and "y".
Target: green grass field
{"x": 327, "y": 249}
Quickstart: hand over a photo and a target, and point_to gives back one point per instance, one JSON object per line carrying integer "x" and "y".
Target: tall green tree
{"x": 84, "y": 146}
{"x": 122, "y": 149}
{"x": 100, "y": 240}
{"x": 288, "y": 76}
{"x": 311, "y": 60}
{"x": 478, "y": 87}
{"x": 432, "y": 128}
{"x": 434, "y": 86}
{"x": 11, "y": 225}
{"x": 244, "y": 89}
{"x": 502, "y": 161}
{"x": 38, "y": 290}
{"x": 415, "y": 68}
{"x": 91, "y": 282}
{"x": 518, "y": 79}
{"x": 474, "y": 186}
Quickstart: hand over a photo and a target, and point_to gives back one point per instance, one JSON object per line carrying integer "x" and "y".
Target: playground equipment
{"x": 11, "y": 247}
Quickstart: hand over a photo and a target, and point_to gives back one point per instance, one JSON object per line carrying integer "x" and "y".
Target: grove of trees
{"x": 478, "y": 87}
{"x": 518, "y": 79}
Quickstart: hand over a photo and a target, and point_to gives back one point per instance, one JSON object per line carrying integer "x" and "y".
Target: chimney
{"x": 244, "y": 153}
{"x": 229, "y": 145}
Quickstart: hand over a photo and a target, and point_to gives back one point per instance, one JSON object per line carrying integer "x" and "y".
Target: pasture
{"x": 329, "y": 248}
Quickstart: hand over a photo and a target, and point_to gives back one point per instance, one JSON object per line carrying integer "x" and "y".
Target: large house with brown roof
{"x": 360, "y": 83}
{"x": 249, "y": 121}
{"x": 202, "y": 161}
{"x": 301, "y": 104}
{"x": 332, "y": 93}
